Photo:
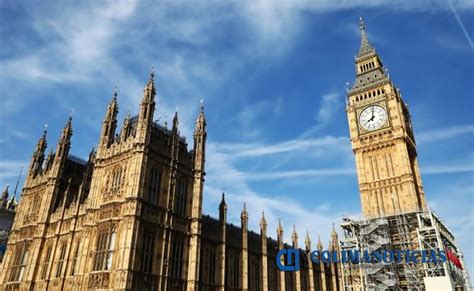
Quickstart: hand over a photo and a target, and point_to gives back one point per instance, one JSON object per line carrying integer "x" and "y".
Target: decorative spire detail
{"x": 320, "y": 243}
{"x": 201, "y": 121}
{"x": 5, "y": 193}
{"x": 223, "y": 205}
{"x": 244, "y": 215}
{"x": 279, "y": 230}
{"x": 294, "y": 237}
{"x": 42, "y": 142}
{"x": 263, "y": 222}
{"x": 365, "y": 47}
{"x": 65, "y": 140}
{"x": 150, "y": 87}
{"x": 223, "y": 211}
{"x": 307, "y": 241}
{"x": 175, "y": 120}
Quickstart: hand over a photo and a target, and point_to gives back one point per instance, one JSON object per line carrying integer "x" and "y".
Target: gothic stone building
{"x": 129, "y": 218}
{"x": 7, "y": 214}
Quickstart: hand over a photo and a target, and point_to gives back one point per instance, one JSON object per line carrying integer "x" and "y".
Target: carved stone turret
{"x": 199, "y": 156}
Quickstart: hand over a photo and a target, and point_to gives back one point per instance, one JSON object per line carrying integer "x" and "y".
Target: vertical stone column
{"x": 321, "y": 266}
{"x": 221, "y": 248}
{"x": 244, "y": 258}
{"x": 199, "y": 158}
{"x": 336, "y": 271}
{"x": 281, "y": 274}
{"x": 294, "y": 238}
{"x": 264, "y": 258}
{"x": 310, "y": 263}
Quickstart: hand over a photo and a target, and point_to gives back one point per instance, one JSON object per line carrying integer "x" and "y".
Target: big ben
{"x": 382, "y": 139}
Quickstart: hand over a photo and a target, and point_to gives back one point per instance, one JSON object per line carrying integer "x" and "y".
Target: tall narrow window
{"x": 212, "y": 266}
{"x": 110, "y": 250}
{"x": 147, "y": 251}
{"x": 181, "y": 196}
{"x": 45, "y": 264}
{"x": 177, "y": 258}
{"x": 116, "y": 179}
{"x": 19, "y": 263}
{"x": 154, "y": 185}
{"x": 62, "y": 254}
{"x": 104, "y": 250}
{"x": 75, "y": 259}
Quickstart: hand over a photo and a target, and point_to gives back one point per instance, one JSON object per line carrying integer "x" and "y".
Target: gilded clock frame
{"x": 359, "y": 110}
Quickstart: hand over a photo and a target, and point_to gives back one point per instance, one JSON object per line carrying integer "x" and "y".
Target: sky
{"x": 273, "y": 77}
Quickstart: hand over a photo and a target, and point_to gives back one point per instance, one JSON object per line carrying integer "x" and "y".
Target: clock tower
{"x": 382, "y": 139}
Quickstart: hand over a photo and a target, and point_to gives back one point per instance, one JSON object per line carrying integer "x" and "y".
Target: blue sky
{"x": 273, "y": 78}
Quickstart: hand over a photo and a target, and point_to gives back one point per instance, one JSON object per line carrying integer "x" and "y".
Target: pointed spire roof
{"x": 149, "y": 90}
{"x": 307, "y": 241}
{"x": 42, "y": 142}
{"x": 112, "y": 108}
{"x": 263, "y": 221}
{"x": 244, "y": 214}
{"x": 279, "y": 229}
{"x": 5, "y": 192}
{"x": 294, "y": 236}
{"x": 365, "y": 47}
{"x": 333, "y": 232}
{"x": 223, "y": 204}
{"x": 320, "y": 243}
{"x": 67, "y": 131}
{"x": 175, "y": 119}
{"x": 201, "y": 120}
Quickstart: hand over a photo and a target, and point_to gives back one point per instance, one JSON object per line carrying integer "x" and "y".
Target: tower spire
{"x": 294, "y": 237}
{"x": 110, "y": 121}
{"x": 38, "y": 155}
{"x": 365, "y": 47}
{"x": 147, "y": 106}
{"x": 307, "y": 241}
{"x": 65, "y": 140}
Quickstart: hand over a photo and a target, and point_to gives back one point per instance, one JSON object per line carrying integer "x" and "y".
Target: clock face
{"x": 373, "y": 117}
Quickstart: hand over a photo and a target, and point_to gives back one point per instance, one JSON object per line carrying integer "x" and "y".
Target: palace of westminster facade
{"x": 130, "y": 217}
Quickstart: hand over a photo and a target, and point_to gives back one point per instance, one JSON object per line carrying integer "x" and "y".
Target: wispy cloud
{"x": 296, "y": 145}
{"x": 328, "y": 107}
{"x": 461, "y": 25}
{"x": 444, "y": 133}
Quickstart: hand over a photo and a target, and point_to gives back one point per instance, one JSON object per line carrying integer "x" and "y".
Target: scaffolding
{"x": 421, "y": 230}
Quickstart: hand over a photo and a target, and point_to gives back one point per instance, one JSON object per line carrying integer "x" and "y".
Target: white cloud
{"x": 256, "y": 150}
{"x": 327, "y": 108}
{"x": 443, "y": 133}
